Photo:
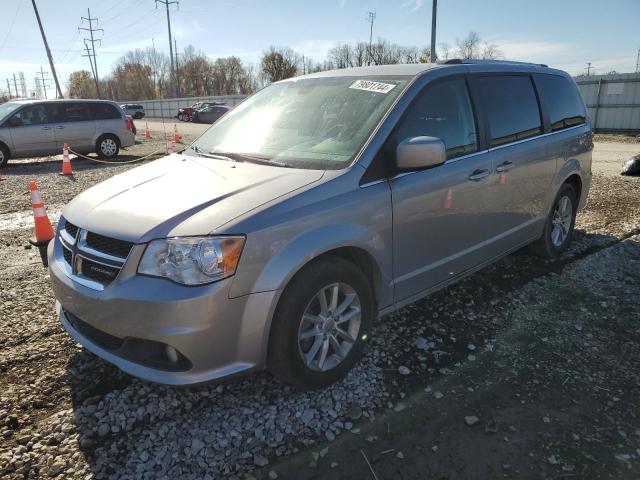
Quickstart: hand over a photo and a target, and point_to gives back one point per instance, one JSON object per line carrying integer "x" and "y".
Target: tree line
{"x": 144, "y": 74}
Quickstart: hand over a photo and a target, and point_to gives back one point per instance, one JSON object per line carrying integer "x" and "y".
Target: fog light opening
{"x": 172, "y": 354}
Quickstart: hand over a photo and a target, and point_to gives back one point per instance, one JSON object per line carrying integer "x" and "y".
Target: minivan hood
{"x": 180, "y": 195}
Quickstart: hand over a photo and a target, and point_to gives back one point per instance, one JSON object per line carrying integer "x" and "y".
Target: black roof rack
{"x": 459, "y": 61}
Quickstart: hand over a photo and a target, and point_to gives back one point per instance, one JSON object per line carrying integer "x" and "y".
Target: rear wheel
{"x": 321, "y": 324}
{"x": 4, "y": 155}
{"x": 558, "y": 229}
{"x": 108, "y": 146}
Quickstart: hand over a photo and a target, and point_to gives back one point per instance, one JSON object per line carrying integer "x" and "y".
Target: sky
{"x": 561, "y": 33}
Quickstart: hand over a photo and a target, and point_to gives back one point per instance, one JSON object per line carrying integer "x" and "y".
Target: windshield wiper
{"x": 241, "y": 157}
{"x": 200, "y": 153}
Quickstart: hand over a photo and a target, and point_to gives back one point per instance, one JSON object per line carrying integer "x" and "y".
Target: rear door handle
{"x": 478, "y": 175}
{"x": 46, "y": 128}
{"x": 60, "y": 127}
{"x": 503, "y": 167}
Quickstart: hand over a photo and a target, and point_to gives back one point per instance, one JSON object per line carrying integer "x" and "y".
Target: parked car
{"x": 134, "y": 109}
{"x": 31, "y": 128}
{"x": 185, "y": 114}
{"x": 209, "y": 114}
{"x": 314, "y": 208}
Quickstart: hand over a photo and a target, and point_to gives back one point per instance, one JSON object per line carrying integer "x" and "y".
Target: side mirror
{"x": 420, "y": 152}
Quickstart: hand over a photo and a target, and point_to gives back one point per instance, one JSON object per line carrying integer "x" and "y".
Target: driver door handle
{"x": 479, "y": 174}
{"x": 46, "y": 128}
{"x": 503, "y": 167}
{"x": 60, "y": 127}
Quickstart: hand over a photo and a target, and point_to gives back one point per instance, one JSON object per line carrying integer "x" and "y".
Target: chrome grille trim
{"x": 80, "y": 251}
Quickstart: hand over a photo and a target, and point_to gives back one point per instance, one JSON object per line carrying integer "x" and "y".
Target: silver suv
{"x": 314, "y": 208}
{"x": 32, "y": 128}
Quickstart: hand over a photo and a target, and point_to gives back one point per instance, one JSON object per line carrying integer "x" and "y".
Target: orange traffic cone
{"x": 66, "y": 163}
{"x": 447, "y": 200}
{"x": 176, "y": 136}
{"x": 147, "y": 132}
{"x": 43, "y": 232}
{"x": 169, "y": 147}
{"x": 502, "y": 179}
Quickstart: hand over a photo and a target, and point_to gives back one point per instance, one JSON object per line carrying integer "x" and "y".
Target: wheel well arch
{"x": 576, "y": 182}
{"x": 5, "y": 146}
{"x": 108, "y": 134}
{"x": 356, "y": 255}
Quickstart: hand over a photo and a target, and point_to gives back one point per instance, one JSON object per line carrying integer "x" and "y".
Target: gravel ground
{"x": 527, "y": 369}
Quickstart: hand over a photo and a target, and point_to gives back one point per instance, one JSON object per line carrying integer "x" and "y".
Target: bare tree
{"x": 469, "y": 47}
{"x": 444, "y": 51}
{"x": 490, "y": 51}
{"x": 279, "y": 63}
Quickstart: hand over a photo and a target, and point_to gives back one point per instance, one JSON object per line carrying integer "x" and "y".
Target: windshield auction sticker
{"x": 370, "y": 86}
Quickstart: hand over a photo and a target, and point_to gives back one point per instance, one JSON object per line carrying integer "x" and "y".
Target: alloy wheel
{"x": 329, "y": 327}
{"x": 561, "y": 221}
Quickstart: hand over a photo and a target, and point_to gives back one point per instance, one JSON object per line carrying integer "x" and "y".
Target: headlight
{"x": 192, "y": 260}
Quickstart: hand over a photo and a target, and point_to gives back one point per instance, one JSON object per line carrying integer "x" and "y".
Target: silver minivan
{"x": 32, "y": 128}
{"x": 318, "y": 205}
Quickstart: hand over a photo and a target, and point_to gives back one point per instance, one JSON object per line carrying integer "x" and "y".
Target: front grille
{"x": 98, "y": 272}
{"x": 67, "y": 255}
{"x": 94, "y": 334}
{"x": 70, "y": 228}
{"x": 111, "y": 246}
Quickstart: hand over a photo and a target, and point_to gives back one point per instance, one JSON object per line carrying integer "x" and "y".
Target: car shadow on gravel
{"x": 446, "y": 343}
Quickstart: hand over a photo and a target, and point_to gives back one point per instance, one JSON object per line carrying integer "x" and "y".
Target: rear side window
{"x": 103, "y": 111}
{"x": 511, "y": 106}
{"x": 73, "y": 112}
{"x": 561, "y": 101}
{"x": 444, "y": 111}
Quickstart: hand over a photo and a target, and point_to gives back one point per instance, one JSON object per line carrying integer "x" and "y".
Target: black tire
{"x": 545, "y": 246}
{"x": 181, "y": 117}
{"x": 137, "y": 115}
{"x": 4, "y": 155}
{"x": 107, "y": 150}
{"x": 285, "y": 355}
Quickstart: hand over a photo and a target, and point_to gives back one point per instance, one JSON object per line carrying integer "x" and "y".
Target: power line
{"x": 94, "y": 65}
{"x": 46, "y": 47}
{"x": 166, "y": 3}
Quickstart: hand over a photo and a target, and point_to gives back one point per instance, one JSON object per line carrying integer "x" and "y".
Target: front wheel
{"x": 107, "y": 147}
{"x": 321, "y": 324}
{"x": 4, "y": 156}
{"x": 558, "y": 228}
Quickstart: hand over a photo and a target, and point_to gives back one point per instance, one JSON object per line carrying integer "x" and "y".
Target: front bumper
{"x": 217, "y": 336}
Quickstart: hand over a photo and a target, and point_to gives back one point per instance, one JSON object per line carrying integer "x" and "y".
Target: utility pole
{"x": 166, "y": 3}
{"x": 588, "y": 68}
{"x": 434, "y": 9}
{"x": 15, "y": 85}
{"x": 9, "y": 88}
{"x": 44, "y": 85}
{"x": 638, "y": 62}
{"x": 371, "y": 16}
{"x": 46, "y": 46}
{"x": 175, "y": 45}
{"x": 93, "y": 71}
{"x": 93, "y": 44}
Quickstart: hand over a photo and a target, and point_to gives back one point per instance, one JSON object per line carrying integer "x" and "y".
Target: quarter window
{"x": 561, "y": 101}
{"x": 443, "y": 111}
{"x": 103, "y": 111}
{"x": 511, "y": 106}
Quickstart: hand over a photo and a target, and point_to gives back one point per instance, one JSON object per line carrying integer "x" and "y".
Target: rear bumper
{"x": 127, "y": 139}
{"x": 132, "y": 321}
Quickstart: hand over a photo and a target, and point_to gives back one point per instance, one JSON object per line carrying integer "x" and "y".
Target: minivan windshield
{"x": 7, "y": 108}
{"x": 313, "y": 123}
